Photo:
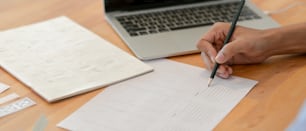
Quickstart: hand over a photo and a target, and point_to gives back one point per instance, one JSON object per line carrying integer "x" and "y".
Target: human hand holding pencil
{"x": 227, "y": 39}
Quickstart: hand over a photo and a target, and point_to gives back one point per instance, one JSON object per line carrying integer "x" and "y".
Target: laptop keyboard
{"x": 171, "y": 20}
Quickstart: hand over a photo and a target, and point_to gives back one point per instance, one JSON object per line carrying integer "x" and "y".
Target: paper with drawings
{"x": 174, "y": 97}
{"x": 58, "y": 59}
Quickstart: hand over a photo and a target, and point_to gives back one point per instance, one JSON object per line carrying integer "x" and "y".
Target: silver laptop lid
{"x": 129, "y": 19}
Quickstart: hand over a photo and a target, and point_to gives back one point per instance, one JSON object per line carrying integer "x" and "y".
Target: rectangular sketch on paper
{"x": 58, "y": 59}
{"x": 174, "y": 97}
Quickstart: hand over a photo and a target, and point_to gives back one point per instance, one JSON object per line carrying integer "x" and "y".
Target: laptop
{"x": 163, "y": 28}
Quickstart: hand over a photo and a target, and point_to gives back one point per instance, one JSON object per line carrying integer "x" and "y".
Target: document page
{"x": 58, "y": 58}
{"x": 174, "y": 97}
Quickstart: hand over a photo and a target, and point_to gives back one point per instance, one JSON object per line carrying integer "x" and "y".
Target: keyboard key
{"x": 177, "y": 19}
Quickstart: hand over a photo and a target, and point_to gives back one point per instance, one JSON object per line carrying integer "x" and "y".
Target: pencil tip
{"x": 209, "y": 82}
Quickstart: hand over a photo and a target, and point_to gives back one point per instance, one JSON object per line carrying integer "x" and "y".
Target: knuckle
{"x": 202, "y": 44}
{"x": 199, "y": 45}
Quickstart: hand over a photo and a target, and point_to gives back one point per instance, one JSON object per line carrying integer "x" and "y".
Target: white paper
{"x": 299, "y": 123}
{"x": 16, "y": 106}
{"x": 3, "y": 87}
{"x": 8, "y": 98}
{"x": 174, "y": 97}
{"x": 58, "y": 59}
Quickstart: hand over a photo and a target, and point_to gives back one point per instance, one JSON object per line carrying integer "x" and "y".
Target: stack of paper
{"x": 174, "y": 97}
{"x": 58, "y": 59}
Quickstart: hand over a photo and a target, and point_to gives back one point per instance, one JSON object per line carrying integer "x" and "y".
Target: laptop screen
{"x": 114, "y": 5}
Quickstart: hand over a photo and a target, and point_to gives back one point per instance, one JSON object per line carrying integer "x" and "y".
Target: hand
{"x": 247, "y": 46}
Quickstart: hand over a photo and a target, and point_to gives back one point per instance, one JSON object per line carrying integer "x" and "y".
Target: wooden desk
{"x": 271, "y": 105}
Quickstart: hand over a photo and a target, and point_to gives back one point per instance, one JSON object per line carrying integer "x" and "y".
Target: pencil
{"x": 228, "y": 37}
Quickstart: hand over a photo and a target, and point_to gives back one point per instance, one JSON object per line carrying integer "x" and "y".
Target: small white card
{"x": 3, "y": 87}
{"x": 16, "y": 106}
{"x": 8, "y": 98}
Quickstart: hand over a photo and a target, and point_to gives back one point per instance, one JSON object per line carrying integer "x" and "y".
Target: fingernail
{"x": 220, "y": 58}
{"x": 212, "y": 59}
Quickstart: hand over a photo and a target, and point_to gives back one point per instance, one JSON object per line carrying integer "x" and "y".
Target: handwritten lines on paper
{"x": 161, "y": 101}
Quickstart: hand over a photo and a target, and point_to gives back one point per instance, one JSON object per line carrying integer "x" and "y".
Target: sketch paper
{"x": 174, "y": 97}
{"x": 59, "y": 59}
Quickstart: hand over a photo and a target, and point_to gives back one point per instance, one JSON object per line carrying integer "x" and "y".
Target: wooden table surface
{"x": 271, "y": 105}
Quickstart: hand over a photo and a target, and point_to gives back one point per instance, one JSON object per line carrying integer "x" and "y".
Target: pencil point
{"x": 209, "y": 81}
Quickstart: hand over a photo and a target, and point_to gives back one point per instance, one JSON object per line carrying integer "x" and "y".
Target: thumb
{"x": 227, "y": 52}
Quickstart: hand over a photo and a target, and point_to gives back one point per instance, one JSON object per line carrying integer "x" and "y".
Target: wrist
{"x": 285, "y": 40}
{"x": 270, "y": 39}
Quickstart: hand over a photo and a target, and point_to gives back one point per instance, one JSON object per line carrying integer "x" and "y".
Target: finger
{"x": 228, "y": 51}
{"x": 224, "y": 71}
{"x": 217, "y": 32}
{"x": 224, "y": 76}
{"x": 221, "y": 72}
{"x": 207, "y": 47}
{"x": 207, "y": 61}
{"x": 230, "y": 61}
{"x": 228, "y": 69}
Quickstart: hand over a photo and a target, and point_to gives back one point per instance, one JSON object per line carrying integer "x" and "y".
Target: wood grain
{"x": 271, "y": 105}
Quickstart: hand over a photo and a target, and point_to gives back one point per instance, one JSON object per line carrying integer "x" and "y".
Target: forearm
{"x": 286, "y": 40}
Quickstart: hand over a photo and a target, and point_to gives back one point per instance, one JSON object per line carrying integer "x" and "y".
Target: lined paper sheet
{"x": 58, "y": 59}
{"x": 164, "y": 100}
